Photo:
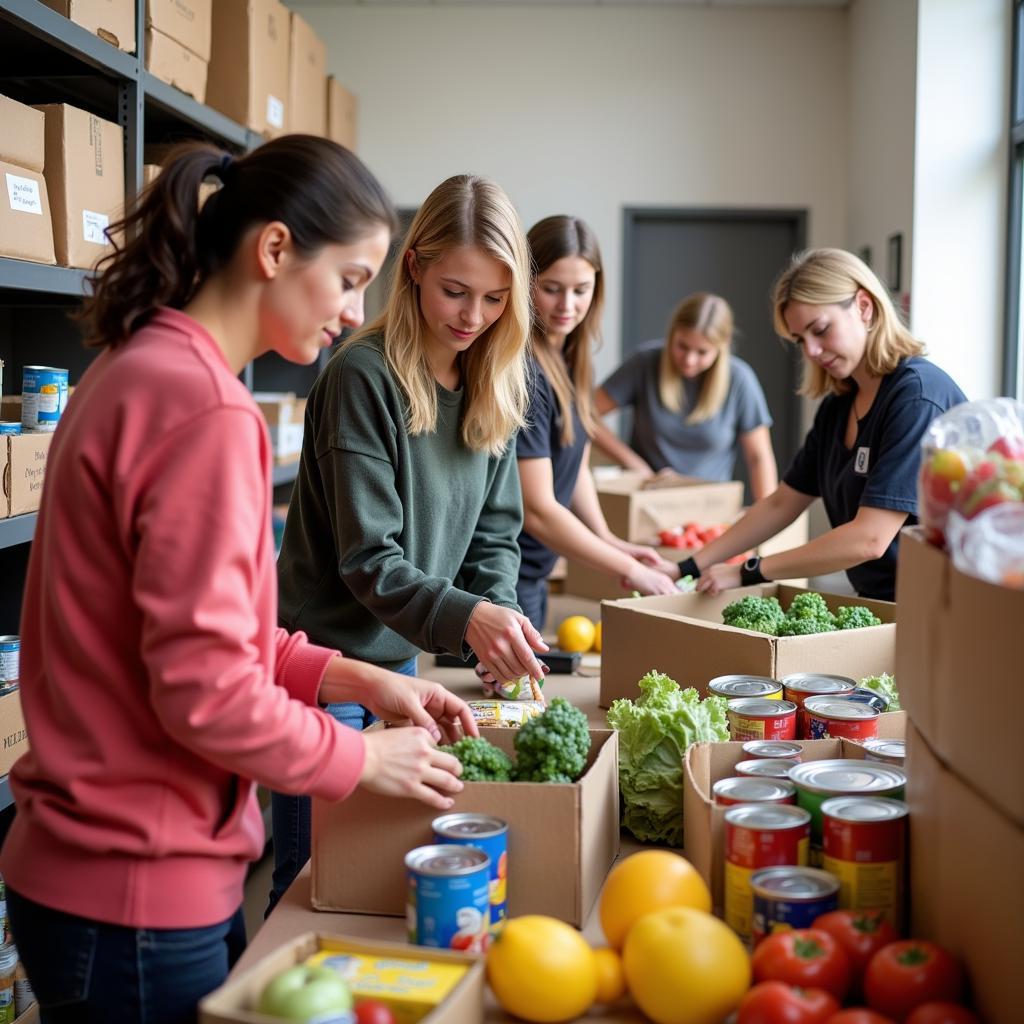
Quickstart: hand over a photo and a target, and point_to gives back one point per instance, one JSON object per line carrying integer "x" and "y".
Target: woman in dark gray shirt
{"x": 695, "y": 405}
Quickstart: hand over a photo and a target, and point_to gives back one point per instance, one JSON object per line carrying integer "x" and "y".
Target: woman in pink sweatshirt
{"x": 157, "y": 689}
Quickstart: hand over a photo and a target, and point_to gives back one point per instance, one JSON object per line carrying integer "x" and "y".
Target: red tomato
{"x": 369, "y": 1011}
{"x": 905, "y": 974}
{"x": 858, "y": 1015}
{"x": 806, "y": 957}
{"x": 861, "y": 933}
{"x": 774, "y": 1002}
{"x": 671, "y": 538}
{"x": 943, "y": 1013}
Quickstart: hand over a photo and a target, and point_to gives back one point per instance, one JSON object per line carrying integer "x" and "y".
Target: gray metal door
{"x": 669, "y": 253}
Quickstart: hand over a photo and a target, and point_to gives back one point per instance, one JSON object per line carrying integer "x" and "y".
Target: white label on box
{"x": 24, "y": 194}
{"x": 275, "y": 112}
{"x": 94, "y": 227}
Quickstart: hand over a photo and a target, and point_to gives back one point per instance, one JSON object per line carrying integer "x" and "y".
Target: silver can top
{"x": 773, "y": 748}
{"x": 793, "y": 883}
{"x": 863, "y": 808}
{"x": 743, "y": 789}
{"x": 816, "y": 682}
{"x": 840, "y": 708}
{"x": 893, "y": 751}
{"x": 767, "y": 816}
{"x": 761, "y": 707}
{"x": 767, "y": 767}
{"x": 743, "y": 686}
{"x": 445, "y": 860}
{"x": 845, "y": 776}
{"x": 479, "y": 826}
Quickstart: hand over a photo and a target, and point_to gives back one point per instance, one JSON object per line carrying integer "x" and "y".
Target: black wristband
{"x": 750, "y": 572}
{"x": 688, "y": 567}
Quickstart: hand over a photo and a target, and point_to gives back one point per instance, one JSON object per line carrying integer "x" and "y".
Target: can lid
{"x": 743, "y": 788}
{"x": 845, "y": 775}
{"x": 467, "y": 824}
{"x": 840, "y": 708}
{"x": 743, "y": 686}
{"x": 793, "y": 883}
{"x": 10, "y": 639}
{"x": 863, "y": 808}
{"x": 767, "y": 816}
{"x": 772, "y": 748}
{"x": 761, "y": 707}
{"x": 896, "y": 749}
{"x": 816, "y": 682}
{"x": 767, "y": 767}
{"x": 445, "y": 860}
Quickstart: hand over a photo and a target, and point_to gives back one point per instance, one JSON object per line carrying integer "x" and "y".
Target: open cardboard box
{"x": 562, "y": 839}
{"x": 233, "y": 1002}
{"x": 23, "y": 471}
{"x": 13, "y": 737}
{"x": 706, "y": 763}
{"x": 958, "y": 669}
{"x": 683, "y": 636}
{"x": 965, "y": 875}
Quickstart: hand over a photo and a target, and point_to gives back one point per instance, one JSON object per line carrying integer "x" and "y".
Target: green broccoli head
{"x": 481, "y": 760}
{"x": 553, "y": 746}
{"x": 809, "y": 606}
{"x": 805, "y": 627}
{"x": 761, "y": 614}
{"x": 856, "y": 617}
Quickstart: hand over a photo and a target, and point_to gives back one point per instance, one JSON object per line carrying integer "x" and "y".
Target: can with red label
{"x": 759, "y": 836}
{"x": 839, "y": 717}
{"x": 773, "y": 748}
{"x": 757, "y": 718}
{"x": 786, "y": 898}
{"x": 766, "y": 767}
{"x": 865, "y": 842}
{"x": 742, "y": 789}
{"x": 801, "y": 685}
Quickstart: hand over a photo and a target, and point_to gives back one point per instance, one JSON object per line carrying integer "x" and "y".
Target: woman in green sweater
{"x": 402, "y": 530}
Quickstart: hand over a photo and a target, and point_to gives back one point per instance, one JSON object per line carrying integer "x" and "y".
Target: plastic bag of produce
{"x": 991, "y": 545}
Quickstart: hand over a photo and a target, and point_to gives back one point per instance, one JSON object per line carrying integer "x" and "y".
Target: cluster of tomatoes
{"x": 690, "y": 536}
{"x": 804, "y": 976}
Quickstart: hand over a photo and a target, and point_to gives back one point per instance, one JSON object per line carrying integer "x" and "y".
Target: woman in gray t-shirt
{"x": 695, "y": 405}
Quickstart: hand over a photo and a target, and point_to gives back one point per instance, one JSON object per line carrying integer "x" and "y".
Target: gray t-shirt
{"x": 664, "y": 439}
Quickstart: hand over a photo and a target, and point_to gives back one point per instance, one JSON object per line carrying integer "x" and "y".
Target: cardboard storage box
{"x": 233, "y": 1002}
{"x": 85, "y": 180}
{"x": 111, "y": 20}
{"x": 562, "y": 839}
{"x": 958, "y": 669}
{"x": 10, "y": 412}
{"x": 307, "y": 78}
{"x": 965, "y": 877}
{"x": 13, "y": 737}
{"x": 284, "y": 414}
{"x": 707, "y": 763}
{"x": 683, "y": 636}
{"x": 188, "y": 22}
{"x": 24, "y": 464}
{"x": 248, "y": 78}
{"x": 175, "y": 64}
{"x": 342, "y": 114}
{"x": 26, "y": 227}
{"x": 22, "y": 141}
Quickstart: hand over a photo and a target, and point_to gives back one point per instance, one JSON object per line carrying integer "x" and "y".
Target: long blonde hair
{"x": 711, "y": 317}
{"x": 465, "y": 210}
{"x": 571, "y": 371}
{"x": 832, "y": 277}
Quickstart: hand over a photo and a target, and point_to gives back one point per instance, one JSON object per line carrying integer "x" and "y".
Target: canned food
{"x": 766, "y": 767}
{"x": 864, "y": 846}
{"x": 747, "y": 790}
{"x": 773, "y": 748}
{"x": 732, "y": 687}
{"x": 759, "y": 836}
{"x": 840, "y": 717}
{"x": 871, "y": 698}
{"x": 10, "y": 656}
{"x": 786, "y": 898}
{"x": 886, "y": 751}
{"x": 757, "y": 718}
{"x": 9, "y": 427}
{"x": 44, "y": 394}
{"x": 487, "y": 834}
{"x": 801, "y": 685}
{"x": 448, "y": 897}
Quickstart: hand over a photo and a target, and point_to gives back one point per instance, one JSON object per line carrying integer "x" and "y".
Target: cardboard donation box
{"x": 188, "y": 22}
{"x": 248, "y": 79}
{"x": 23, "y": 457}
{"x": 111, "y": 20}
{"x": 562, "y": 839}
{"x": 22, "y": 141}
{"x": 455, "y": 997}
{"x": 965, "y": 875}
{"x": 958, "y": 669}
{"x": 26, "y": 228}
{"x": 707, "y": 763}
{"x": 13, "y": 737}
{"x": 284, "y": 414}
{"x": 175, "y": 64}
{"x": 307, "y": 77}
{"x": 683, "y": 636}
{"x": 342, "y": 114}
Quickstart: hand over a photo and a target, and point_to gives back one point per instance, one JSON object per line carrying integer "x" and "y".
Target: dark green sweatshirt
{"x": 392, "y": 540}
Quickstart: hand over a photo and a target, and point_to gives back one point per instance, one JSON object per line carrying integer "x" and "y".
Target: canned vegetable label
{"x": 487, "y": 834}
{"x": 449, "y": 897}
{"x": 786, "y": 898}
{"x": 801, "y": 685}
{"x": 10, "y": 651}
{"x": 44, "y": 394}
{"x": 840, "y": 717}
{"x": 9, "y": 427}
{"x": 757, "y": 718}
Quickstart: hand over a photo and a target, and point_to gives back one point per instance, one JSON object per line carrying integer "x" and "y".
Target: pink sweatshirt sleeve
{"x": 206, "y": 583}
{"x": 301, "y": 665}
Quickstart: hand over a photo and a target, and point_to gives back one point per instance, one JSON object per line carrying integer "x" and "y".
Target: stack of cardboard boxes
{"x": 178, "y": 43}
{"x": 112, "y": 20}
{"x": 26, "y": 230}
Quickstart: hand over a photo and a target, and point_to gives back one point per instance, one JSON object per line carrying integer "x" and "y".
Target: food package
{"x": 505, "y": 714}
{"x": 991, "y": 545}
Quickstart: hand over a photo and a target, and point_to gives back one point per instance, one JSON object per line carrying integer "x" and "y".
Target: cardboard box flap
{"x": 188, "y": 22}
{"x": 21, "y": 142}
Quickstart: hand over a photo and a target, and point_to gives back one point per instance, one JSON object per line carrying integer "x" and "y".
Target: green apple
{"x": 304, "y": 993}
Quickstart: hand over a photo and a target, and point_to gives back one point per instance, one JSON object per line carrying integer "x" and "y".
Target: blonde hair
{"x": 464, "y": 211}
{"x": 571, "y": 371}
{"x": 832, "y": 277}
{"x": 711, "y": 317}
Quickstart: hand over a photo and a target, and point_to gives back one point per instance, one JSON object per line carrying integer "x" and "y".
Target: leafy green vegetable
{"x": 553, "y": 746}
{"x": 481, "y": 760}
{"x": 856, "y": 617}
{"x": 884, "y": 684}
{"x": 761, "y": 614}
{"x": 807, "y": 613}
{"x": 655, "y": 731}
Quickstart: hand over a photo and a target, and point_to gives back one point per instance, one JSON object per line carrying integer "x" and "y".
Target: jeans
{"x": 89, "y": 972}
{"x": 292, "y": 816}
{"x": 532, "y": 597}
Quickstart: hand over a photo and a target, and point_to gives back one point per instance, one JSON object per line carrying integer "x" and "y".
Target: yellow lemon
{"x": 611, "y": 978}
{"x": 596, "y": 645}
{"x": 576, "y": 633}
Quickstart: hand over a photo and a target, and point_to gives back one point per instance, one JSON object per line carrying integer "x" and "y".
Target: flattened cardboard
{"x": 24, "y": 460}
{"x": 232, "y": 1003}
{"x": 958, "y": 669}
{"x": 342, "y": 114}
{"x": 965, "y": 876}
{"x": 22, "y": 140}
{"x": 26, "y": 226}
{"x": 13, "y": 737}
{"x": 562, "y": 839}
{"x": 175, "y": 64}
{"x": 707, "y": 763}
{"x": 307, "y": 78}
{"x": 111, "y": 20}
{"x": 683, "y": 636}
{"x": 188, "y": 22}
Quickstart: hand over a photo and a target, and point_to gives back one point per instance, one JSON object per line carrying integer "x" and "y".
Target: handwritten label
{"x": 24, "y": 194}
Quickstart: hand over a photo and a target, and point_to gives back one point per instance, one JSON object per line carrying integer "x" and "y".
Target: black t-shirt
{"x": 880, "y": 470}
{"x": 541, "y": 438}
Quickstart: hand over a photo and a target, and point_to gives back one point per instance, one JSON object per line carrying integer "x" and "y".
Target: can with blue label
{"x": 790, "y": 897}
{"x": 487, "y": 834}
{"x": 449, "y": 897}
{"x": 44, "y": 394}
{"x": 10, "y": 656}
{"x": 9, "y": 427}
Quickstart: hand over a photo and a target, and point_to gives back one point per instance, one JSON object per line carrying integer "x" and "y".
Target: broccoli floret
{"x": 856, "y": 617}
{"x": 761, "y": 614}
{"x": 481, "y": 760}
{"x": 553, "y": 746}
{"x": 805, "y": 627}
{"x": 810, "y": 606}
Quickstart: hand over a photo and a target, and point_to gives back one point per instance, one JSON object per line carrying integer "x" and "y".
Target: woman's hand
{"x": 504, "y": 641}
{"x": 405, "y": 763}
{"x": 717, "y": 578}
{"x": 649, "y": 581}
{"x": 644, "y": 555}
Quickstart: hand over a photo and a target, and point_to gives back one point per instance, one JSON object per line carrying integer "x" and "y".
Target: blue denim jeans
{"x": 88, "y": 972}
{"x": 532, "y": 597}
{"x": 292, "y": 816}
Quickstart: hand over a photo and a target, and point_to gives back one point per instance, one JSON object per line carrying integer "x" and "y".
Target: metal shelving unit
{"x": 6, "y": 799}
{"x": 17, "y": 530}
